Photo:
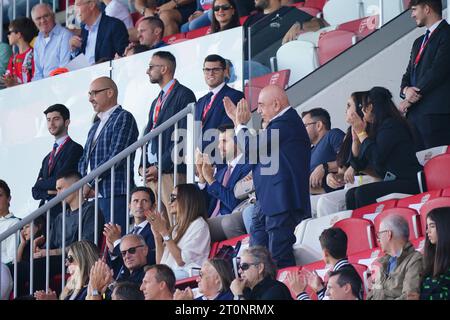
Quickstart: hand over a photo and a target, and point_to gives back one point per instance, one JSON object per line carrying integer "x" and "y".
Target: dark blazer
{"x": 177, "y": 100}
{"x": 391, "y": 150}
{"x": 217, "y": 191}
{"x": 216, "y": 116}
{"x": 147, "y": 233}
{"x": 119, "y": 132}
{"x": 227, "y": 295}
{"x": 66, "y": 160}
{"x": 432, "y": 72}
{"x": 112, "y": 38}
{"x": 287, "y": 188}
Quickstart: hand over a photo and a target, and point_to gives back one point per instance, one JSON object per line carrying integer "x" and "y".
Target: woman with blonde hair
{"x": 81, "y": 256}
{"x": 186, "y": 245}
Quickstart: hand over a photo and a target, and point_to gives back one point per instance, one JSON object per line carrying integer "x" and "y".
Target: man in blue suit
{"x": 142, "y": 199}
{"x": 209, "y": 110}
{"x": 64, "y": 156}
{"x": 219, "y": 187}
{"x": 280, "y": 157}
{"x": 101, "y": 36}
{"x": 114, "y": 130}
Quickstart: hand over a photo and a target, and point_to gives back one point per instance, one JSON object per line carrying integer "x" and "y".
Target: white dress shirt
{"x": 9, "y": 243}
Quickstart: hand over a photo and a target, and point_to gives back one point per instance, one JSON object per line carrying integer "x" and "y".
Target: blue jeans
{"x": 203, "y": 21}
{"x": 120, "y": 210}
{"x": 247, "y": 217}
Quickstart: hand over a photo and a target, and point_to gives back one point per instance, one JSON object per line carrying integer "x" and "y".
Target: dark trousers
{"x": 368, "y": 193}
{"x": 432, "y": 130}
{"x": 120, "y": 210}
{"x": 23, "y": 274}
{"x": 276, "y": 232}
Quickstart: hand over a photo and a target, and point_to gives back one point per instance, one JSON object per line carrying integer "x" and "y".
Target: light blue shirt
{"x": 92, "y": 40}
{"x": 52, "y": 54}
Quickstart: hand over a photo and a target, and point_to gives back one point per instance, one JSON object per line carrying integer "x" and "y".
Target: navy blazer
{"x": 119, "y": 132}
{"x": 147, "y": 234}
{"x": 287, "y": 188}
{"x": 112, "y": 38}
{"x": 432, "y": 72}
{"x": 216, "y": 116}
{"x": 217, "y": 191}
{"x": 177, "y": 100}
{"x": 66, "y": 160}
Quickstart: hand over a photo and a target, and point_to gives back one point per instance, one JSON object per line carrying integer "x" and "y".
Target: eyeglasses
{"x": 223, "y": 7}
{"x": 200, "y": 274}
{"x": 44, "y": 17}
{"x": 69, "y": 259}
{"x": 310, "y": 123}
{"x": 94, "y": 92}
{"x": 151, "y": 66}
{"x": 131, "y": 250}
{"x": 212, "y": 70}
{"x": 245, "y": 266}
{"x": 11, "y": 31}
{"x": 381, "y": 232}
{"x": 173, "y": 197}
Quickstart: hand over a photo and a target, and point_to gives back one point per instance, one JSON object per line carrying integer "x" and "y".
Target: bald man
{"x": 113, "y": 130}
{"x": 279, "y": 157}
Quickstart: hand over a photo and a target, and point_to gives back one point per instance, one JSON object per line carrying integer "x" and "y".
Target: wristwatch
{"x": 325, "y": 167}
{"x": 167, "y": 237}
{"x": 95, "y": 293}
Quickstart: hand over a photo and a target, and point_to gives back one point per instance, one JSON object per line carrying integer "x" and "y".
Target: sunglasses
{"x": 70, "y": 259}
{"x": 131, "y": 250}
{"x": 245, "y": 266}
{"x": 223, "y": 7}
{"x": 173, "y": 197}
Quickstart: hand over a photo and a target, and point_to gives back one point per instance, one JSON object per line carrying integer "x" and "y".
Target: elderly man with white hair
{"x": 51, "y": 49}
{"x": 401, "y": 266}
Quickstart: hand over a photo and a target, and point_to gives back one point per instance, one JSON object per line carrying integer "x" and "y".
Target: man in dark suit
{"x": 280, "y": 157}
{"x": 219, "y": 187}
{"x": 114, "y": 130}
{"x": 209, "y": 109}
{"x": 64, "y": 156}
{"x": 102, "y": 36}
{"x": 173, "y": 98}
{"x": 142, "y": 199}
{"x": 426, "y": 82}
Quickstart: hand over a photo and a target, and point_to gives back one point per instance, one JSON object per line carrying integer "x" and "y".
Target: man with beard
{"x": 173, "y": 98}
{"x": 64, "y": 156}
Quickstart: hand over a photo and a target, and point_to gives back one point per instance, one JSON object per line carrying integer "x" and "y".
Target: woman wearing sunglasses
{"x": 186, "y": 245}
{"x": 257, "y": 277}
{"x": 81, "y": 256}
{"x": 225, "y": 15}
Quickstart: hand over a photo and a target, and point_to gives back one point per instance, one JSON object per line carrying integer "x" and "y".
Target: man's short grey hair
{"x": 398, "y": 225}
{"x": 44, "y": 5}
{"x": 137, "y": 237}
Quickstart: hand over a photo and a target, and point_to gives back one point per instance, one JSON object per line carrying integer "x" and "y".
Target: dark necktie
{"x": 136, "y": 230}
{"x": 51, "y": 158}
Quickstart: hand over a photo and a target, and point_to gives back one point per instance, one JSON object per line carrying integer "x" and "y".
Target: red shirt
{"x": 22, "y": 65}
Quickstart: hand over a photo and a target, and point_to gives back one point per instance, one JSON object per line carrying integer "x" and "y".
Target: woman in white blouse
{"x": 187, "y": 244}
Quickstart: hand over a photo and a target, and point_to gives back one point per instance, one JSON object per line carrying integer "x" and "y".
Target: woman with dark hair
{"x": 21, "y": 65}
{"x": 225, "y": 15}
{"x": 186, "y": 245}
{"x": 214, "y": 282}
{"x": 257, "y": 279}
{"x": 23, "y": 251}
{"x": 436, "y": 281}
{"x": 81, "y": 257}
{"x": 382, "y": 142}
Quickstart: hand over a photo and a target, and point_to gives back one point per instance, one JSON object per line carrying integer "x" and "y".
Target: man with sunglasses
{"x": 134, "y": 255}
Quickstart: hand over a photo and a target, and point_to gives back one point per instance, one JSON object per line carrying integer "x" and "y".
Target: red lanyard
{"x": 53, "y": 154}
{"x": 160, "y": 103}
{"x": 205, "y": 111}
{"x": 422, "y": 47}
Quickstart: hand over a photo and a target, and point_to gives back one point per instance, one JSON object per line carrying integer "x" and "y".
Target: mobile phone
{"x": 236, "y": 262}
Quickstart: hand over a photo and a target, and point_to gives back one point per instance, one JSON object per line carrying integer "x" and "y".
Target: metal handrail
{"x": 190, "y": 109}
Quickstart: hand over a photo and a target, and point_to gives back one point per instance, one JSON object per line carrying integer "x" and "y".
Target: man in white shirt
{"x": 7, "y": 220}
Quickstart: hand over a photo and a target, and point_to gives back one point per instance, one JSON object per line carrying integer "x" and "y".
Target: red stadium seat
{"x": 187, "y": 282}
{"x": 374, "y": 208}
{"x": 430, "y": 205}
{"x": 318, "y": 4}
{"x": 418, "y": 198}
{"x": 243, "y": 19}
{"x": 410, "y": 215}
{"x": 448, "y": 149}
{"x": 361, "y": 27}
{"x": 332, "y": 43}
{"x": 366, "y": 254}
{"x": 255, "y": 85}
{"x": 437, "y": 173}
{"x": 419, "y": 243}
{"x": 360, "y": 234}
{"x": 198, "y": 33}
{"x": 175, "y": 37}
{"x": 362, "y": 271}
{"x": 446, "y": 192}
